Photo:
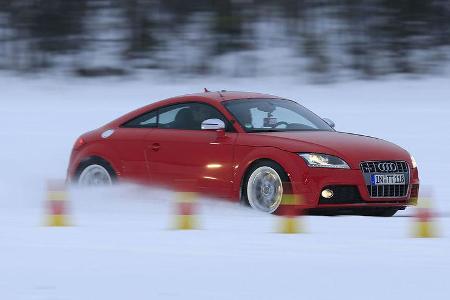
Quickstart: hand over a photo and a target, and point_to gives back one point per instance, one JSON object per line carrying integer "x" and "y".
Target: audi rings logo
{"x": 387, "y": 167}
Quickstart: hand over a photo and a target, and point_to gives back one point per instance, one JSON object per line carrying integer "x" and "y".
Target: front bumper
{"x": 351, "y": 189}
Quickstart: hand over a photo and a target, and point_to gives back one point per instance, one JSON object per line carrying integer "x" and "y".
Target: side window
{"x": 147, "y": 120}
{"x": 177, "y": 116}
{"x": 188, "y": 116}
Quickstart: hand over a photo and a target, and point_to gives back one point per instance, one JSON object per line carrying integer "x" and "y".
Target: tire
{"x": 380, "y": 212}
{"x": 263, "y": 186}
{"x": 95, "y": 172}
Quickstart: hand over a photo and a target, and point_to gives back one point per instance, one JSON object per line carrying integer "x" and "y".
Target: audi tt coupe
{"x": 248, "y": 147}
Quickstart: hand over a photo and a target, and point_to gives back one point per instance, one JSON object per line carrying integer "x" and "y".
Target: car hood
{"x": 353, "y": 148}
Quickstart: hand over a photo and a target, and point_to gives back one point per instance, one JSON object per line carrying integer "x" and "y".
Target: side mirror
{"x": 213, "y": 124}
{"x": 329, "y": 122}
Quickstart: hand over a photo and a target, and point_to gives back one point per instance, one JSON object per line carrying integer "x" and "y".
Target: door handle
{"x": 155, "y": 146}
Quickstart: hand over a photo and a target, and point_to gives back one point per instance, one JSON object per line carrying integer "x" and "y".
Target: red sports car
{"x": 248, "y": 147}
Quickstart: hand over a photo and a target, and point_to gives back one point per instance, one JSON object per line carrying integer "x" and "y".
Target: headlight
{"x": 316, "y": 160}
{"x": 414, "y": 163}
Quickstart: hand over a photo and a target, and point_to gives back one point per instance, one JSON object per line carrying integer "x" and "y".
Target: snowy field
{"x": 121, "y": 245}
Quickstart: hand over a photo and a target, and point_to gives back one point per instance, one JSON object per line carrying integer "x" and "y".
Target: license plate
{"x": 377, "y": 179}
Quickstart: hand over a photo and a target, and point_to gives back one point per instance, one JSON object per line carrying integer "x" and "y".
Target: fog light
{"x": 327, "y": 193}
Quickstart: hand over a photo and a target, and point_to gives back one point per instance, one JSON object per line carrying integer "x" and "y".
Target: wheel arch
{"x": 92, "y": 159}
{"x": 95, "y": 149}
{"x": 246, "y": 174}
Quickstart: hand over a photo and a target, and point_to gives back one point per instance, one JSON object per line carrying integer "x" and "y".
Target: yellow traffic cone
{"x": 290, "y": 212}
{"x": 56, "y": 203}
{"x": 185, "y": 218}
{"x": 424, "y": 226}
{"x": 290, "y": 225}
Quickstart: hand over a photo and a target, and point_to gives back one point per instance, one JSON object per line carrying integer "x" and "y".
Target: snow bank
{"x": 121, "y": 246}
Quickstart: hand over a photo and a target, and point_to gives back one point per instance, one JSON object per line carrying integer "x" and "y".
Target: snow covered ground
{"x": 121, "y": 246}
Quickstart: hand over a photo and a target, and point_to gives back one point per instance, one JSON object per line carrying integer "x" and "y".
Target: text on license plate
{"x": 377, "y": 179}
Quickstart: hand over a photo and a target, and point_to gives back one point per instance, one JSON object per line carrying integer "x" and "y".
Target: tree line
{"x": 323, "y": 38}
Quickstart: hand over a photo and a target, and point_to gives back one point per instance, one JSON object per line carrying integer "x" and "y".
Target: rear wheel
{"x": 263, "y": 186}
{"x": 95, "y": 172}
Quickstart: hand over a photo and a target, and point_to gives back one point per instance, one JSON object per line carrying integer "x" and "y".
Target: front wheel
{"x": 263, "y": 188}
{"x": 95, "y": 172}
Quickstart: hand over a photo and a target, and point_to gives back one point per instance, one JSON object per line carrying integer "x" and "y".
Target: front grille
{"x": 374, "y": 167}
{"x": 387, "y": 190}
{"x": 370, "y": 168}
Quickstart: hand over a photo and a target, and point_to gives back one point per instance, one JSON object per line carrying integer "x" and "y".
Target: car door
{"x": 129, "y": 142}
{"x": 179, "y": 151}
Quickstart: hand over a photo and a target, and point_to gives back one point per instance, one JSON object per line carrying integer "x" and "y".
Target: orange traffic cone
{"x": 424, "y": 226}
{"x": 185, "y": 218}
{"x": 57, "y": 203}
{"x": 290, "y": 214}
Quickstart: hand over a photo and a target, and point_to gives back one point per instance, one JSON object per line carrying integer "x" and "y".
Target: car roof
{"x": 207, "y": 96}
{"x": 230, "y": 95}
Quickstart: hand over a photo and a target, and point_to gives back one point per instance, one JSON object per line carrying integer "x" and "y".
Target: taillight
{"x": 79, "y": 143}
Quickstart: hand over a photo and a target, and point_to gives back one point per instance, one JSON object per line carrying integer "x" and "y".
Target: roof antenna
{"x": 206, "y": 90}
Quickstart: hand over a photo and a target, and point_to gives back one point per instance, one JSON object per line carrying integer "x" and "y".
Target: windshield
{"x": 262, "y": 115}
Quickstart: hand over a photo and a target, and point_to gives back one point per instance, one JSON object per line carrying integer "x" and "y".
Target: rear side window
{"x": 147, "y": 120}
